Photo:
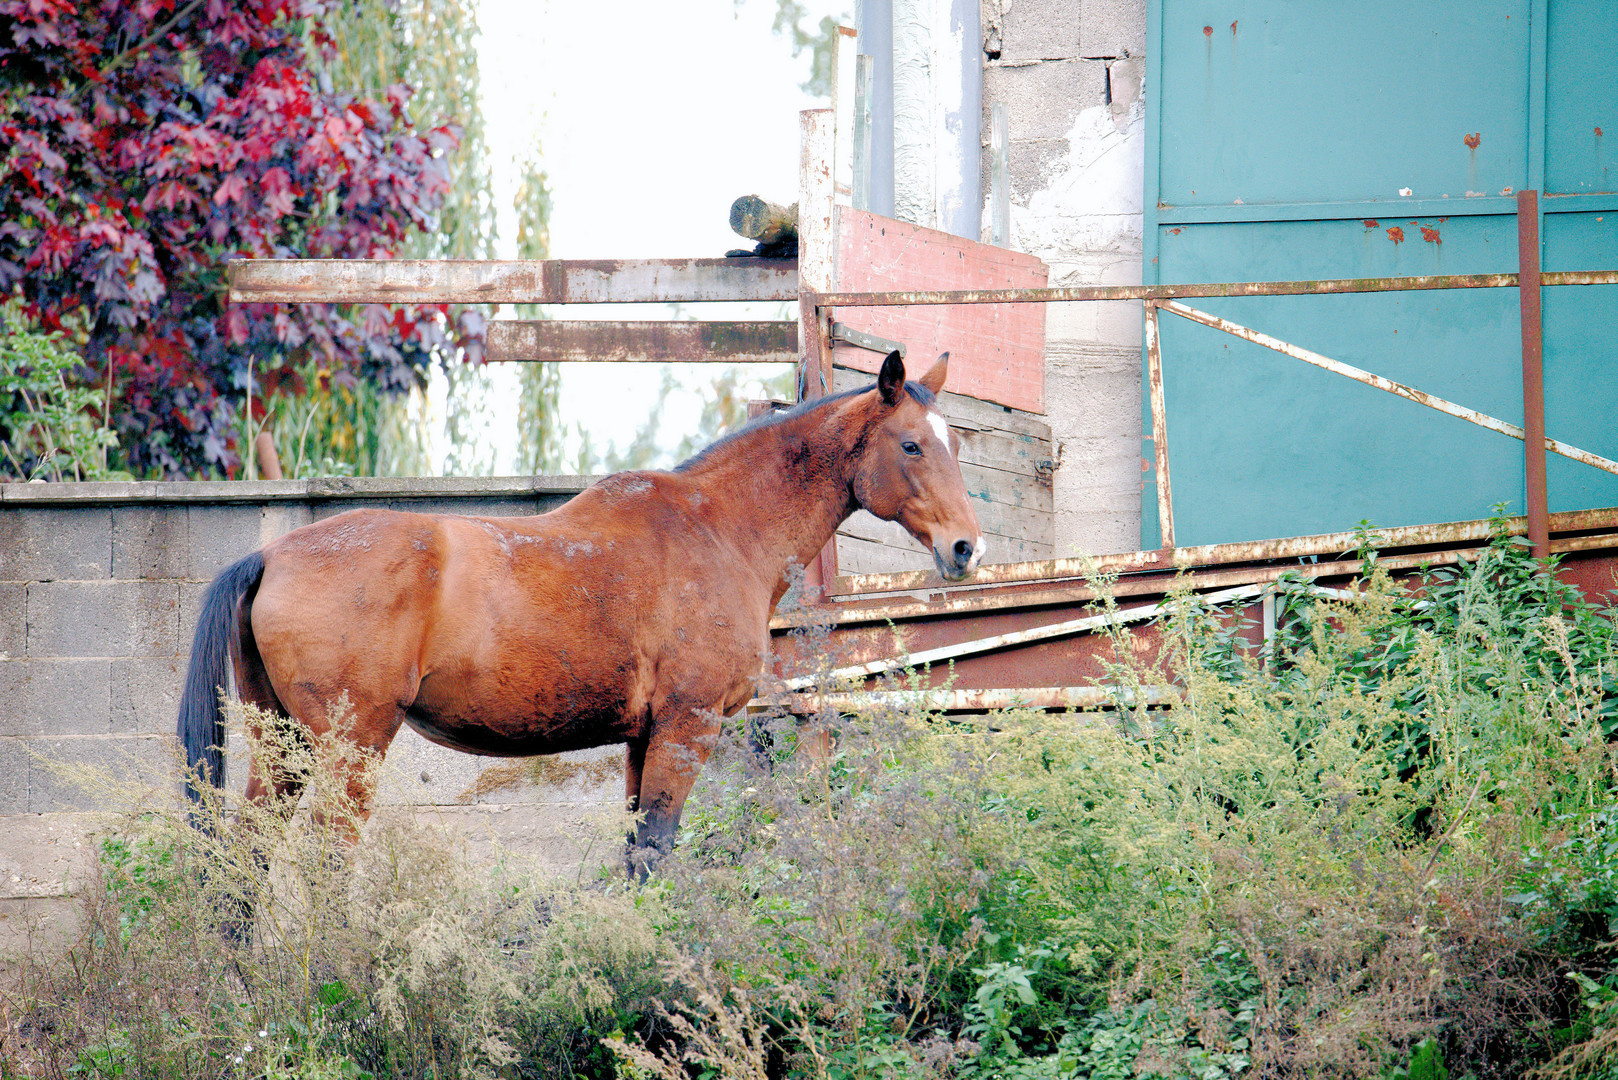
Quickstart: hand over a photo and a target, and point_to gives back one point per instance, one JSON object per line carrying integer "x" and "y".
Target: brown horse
{"x": 637, "y": 613}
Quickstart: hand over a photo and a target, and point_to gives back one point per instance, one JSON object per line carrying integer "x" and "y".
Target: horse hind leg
{"x": 673, "y": 758}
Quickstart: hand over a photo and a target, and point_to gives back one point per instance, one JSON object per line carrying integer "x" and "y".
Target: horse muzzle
{"x": 959, "y": 559}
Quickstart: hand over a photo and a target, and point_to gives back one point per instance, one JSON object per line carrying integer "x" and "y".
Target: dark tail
{"x": 202, "y": 717}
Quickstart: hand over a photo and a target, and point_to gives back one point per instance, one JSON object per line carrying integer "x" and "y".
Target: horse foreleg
{"x": 672, "y": 759}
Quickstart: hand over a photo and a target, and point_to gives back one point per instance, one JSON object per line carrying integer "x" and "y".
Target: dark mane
{"x": 917, "y": 391}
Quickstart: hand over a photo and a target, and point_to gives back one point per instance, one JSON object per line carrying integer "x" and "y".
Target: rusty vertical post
{"x": 1533, "y": 372}
{"x": 1160, "y": 429}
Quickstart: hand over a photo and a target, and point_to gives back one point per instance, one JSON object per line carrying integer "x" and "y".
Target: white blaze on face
{"x": 940, "y": 428}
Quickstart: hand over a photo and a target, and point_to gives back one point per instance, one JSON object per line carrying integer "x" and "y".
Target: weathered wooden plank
{"x": 883, "y": 547}
{"x": 856, "y": 555}
{"x": 472, "y": 281}
{"x": 1020, "y": 455}
{"x": 997, "y": 352}
{"x": 962, "y": 409}
{"x": 561, "y": 341}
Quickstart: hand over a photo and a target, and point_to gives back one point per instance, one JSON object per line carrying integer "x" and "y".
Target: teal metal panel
{"x": 1281, "y": 137}
{"x": 1581, "y": 98}
{"x": 1282, "y": 102}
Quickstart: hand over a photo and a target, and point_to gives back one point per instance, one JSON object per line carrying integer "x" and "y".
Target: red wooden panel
{"x": 997, "y": 351}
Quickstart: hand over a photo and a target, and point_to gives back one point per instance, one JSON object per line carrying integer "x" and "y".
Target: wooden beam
{"x": 469, "y": 281}
{"x": 549, "y": 341}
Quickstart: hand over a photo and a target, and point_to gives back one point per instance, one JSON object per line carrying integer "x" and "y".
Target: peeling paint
{"x": 1092, "y": 200}
{"x": 1473, "y": 140}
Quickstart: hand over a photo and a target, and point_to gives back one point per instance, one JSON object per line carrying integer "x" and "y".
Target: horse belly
{"x": 502, "y": 713}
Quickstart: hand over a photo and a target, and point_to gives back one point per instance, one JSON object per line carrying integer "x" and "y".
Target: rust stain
{"x": 1473, "y": 139}
{"x": 1430, "y": 235}
{"x": 1371, "y": 223}
{"x": 1207, "y": 31}
{"x": 1175, "y": 231}
{"x": 1598, "y": 133}
{"x": 1233, "y": 28}
{"x": 1396, "y": 234}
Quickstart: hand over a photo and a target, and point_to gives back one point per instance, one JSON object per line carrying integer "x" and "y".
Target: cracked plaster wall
{"x": 1069, "y": 73}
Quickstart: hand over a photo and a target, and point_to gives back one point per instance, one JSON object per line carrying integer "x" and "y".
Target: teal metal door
{"x": 1297, "y": 141}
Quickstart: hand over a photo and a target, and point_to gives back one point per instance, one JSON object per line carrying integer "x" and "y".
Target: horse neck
{"x": 790, "y": 480}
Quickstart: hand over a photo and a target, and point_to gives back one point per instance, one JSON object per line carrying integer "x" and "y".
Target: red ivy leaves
{"x": 126, "y": 182}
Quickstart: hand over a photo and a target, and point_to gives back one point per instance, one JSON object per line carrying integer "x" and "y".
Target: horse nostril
{"x": 963, "y": 550}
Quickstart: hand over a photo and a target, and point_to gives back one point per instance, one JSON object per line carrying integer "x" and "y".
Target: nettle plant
{"x": 142, "y": 146}
{"x": 51, "y": 427}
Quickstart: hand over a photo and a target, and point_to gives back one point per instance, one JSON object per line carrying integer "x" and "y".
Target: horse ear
{"x": 890, "y": 382}
{"x": 934, "y": 379}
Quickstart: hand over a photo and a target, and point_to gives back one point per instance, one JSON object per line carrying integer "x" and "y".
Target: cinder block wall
{"x": 1069, "y": 73}
{"x": 99, "y": 589}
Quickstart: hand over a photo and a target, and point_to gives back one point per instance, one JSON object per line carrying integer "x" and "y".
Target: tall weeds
{"x": 1382, "y": 846}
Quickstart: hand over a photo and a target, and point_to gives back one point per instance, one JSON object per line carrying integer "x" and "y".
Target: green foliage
{"x": 52, "y": 426}
{"x": 790, "y": 16}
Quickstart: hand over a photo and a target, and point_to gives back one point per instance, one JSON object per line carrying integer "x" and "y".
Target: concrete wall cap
{"x": 336, "y": 487}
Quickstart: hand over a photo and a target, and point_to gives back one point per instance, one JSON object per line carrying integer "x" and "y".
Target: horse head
{"x": 907, "y": 470}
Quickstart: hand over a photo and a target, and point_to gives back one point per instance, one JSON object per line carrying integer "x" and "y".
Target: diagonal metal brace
{"x": 860, "y": 339}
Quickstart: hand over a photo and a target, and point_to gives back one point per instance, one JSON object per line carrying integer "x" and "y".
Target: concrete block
{"x": 281, "y": 518}
{"x": 145, "y": 694}
{"x": 29, "y": 928}
{"x": 100, "y": 773}
{"x": 1096, "y": 532}
{"x": 1126, "y": 82}
{"x": 54, "y": 697}
{"x": 1040, "y": 30}
{"x": 55, "y": 543}
{"x": 150, "y": 541}
{"x": 103, "y": 618}
{"x": 14, "y": 763}
{"x": 1031, "y": 165}
{"x": 49, "y": 855}
{"x": 219, "y": 535}
{"x": 1112, "y": 28}
{"x": 13, "y": 619}
{"x": 1042, "y": 99}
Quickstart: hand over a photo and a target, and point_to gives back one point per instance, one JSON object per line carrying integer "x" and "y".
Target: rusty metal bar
{"x": 1227, "y": 288}
{"x": 1029, "y": 697}
{"x": 1291, "y": 547}
{"x": 1160, "y": 429}
{"x": 1420, "y": 397}
{"x": 1533, "y": 373}
{"x": 1015, "y": 637}
{"x": 470, "y": 281}
{"x": 562, "y": 341}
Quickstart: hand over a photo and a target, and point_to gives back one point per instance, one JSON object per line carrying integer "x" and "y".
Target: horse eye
{"x": 910, "y": 448}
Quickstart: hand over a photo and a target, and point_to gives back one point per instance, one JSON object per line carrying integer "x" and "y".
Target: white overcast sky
{"x": 653, "y": 117}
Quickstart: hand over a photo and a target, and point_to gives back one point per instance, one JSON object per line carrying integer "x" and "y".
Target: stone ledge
{"x": 326, "y": 487}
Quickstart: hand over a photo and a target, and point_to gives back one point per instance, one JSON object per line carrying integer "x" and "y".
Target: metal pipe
{"x": 495, "y": 281}
{"x": 1027, "y": 697}
{"x": 1360, "y": 375}
{"x": 1289, "y": 547}
{"x": 1160, "y": 429}
{"x": 1533, "y": 373}
{"x": 1225, "y": 288}
{"x": 1015, "y": 637}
